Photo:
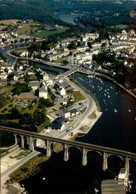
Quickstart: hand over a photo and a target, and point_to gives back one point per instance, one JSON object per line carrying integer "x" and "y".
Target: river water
{"x": 116, "y": 128}
{"x": 68, "y": 18}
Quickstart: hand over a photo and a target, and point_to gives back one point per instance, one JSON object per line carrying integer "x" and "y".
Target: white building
{"x": 3, "y": 76}
{"x": 34, "y": 85}
{"x": 43, "y": 93}
{"x": 24, "y": 54}
{"x": 62, "y": 91}
{"x": 123, "y": 175}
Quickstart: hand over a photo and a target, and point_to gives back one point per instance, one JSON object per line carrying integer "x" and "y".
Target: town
{"x": 39, "y": 99}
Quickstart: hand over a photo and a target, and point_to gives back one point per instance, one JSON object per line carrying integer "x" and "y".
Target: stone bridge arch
{"x": 66, "y": 148}
{"x": 115, "y": 162}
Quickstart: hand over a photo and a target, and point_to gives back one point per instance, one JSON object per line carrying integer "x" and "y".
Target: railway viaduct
{"x": 105, "y": 152}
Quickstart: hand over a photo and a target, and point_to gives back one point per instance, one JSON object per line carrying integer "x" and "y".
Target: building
{"x": 34, "y": 85}
{"x": 43, "y": 93}
{"x": 123, "y": 175}
{"x": 26, "y": 96}
{"x": 62, "y": 91}
{"x": 67, "y": 113}
{"x": 3, "y": 76}
{"x": 113, "y": 187}
{"x": 58, "y": 124}
{"x": 74, "y": 112}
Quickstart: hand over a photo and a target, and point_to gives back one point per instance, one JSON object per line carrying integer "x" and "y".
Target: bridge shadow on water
{"x": 58, "y": 176}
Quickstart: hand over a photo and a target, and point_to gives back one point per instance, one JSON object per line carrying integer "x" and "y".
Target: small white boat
{"x": 115, "y": 110}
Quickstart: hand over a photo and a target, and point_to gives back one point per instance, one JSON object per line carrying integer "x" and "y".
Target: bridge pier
{"x": 84, "y": 157}
{"x": 22, "y": 141}
{"x": 127, "y": 165}
{"x": 15, "y": 135}
{"x": 105, "y": 163}
{"x": 48, "y": 148}
{"x": 31, "y": 143}
{"x": 66, "y": 152}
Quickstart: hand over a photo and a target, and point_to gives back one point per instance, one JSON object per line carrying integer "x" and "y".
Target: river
{"x": 116, "y": 128}
{"x": 68, "y": 18}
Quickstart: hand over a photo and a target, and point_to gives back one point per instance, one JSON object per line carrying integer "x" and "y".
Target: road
{"x": 91, "y": 107}
{"x": 18, "y": 164}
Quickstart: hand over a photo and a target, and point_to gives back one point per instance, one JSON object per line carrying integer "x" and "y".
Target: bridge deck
{"x": 71, "y": 143}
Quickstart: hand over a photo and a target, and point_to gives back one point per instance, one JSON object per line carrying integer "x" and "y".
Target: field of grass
{"x": 30, "y": 168}
{"x": 8, "y": 22}
{"x": 44, "y": 34}
{"x": 2, "y": 27}
{"x": 78, "y": 96}
{"x": 5, "y": 23}
{"x": 27, "y": 28}
{"x": 3, "y": 151}
{"x": 6, "y": 90}
{"x": 21, "y": 154}
{"x": 21, "y": 49}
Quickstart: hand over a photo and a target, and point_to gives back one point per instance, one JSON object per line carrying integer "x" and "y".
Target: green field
{"x": 45, "y": 33}
{"x": 27, "y": 28}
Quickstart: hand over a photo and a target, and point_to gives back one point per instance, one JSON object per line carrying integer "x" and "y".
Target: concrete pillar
{"x": 127, "y": 165}
{"x": 84, "y": 157}
{"x": 48, "y": 148}
{"x": 66, "y": 153}
{"x": 105, "y": 163}
{"x": 31, "y": 143}
{"x": 22, "y": 141}
{"x": 15, "y": 135}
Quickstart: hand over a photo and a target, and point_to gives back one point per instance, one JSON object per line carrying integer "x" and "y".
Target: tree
{"x": 21, "y": 87}
{"x": 51, "y": 94}
{"x": 56, "y": 86}
{"x": 72, "y": 45}
{"x": 10, "y": 77}
{"x": 65, "y": 62}
{"x": 39, "y": 117}
{"x": 90, "y": 45}
{"x": 35, "y": 46}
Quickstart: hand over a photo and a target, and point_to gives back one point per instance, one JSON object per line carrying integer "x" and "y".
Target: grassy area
{"x": 27, "y": 28}
{"x": 6, "y": 90}
{"x": 8, "y": 22}
{"x": 57, "y": 147}
{"x": 2, "y": 27}
{"x": 21, "y": 49}
{"x": 45, "y": 33}
{"x": 5, "y": 23}
{"x": 30, "y": 168}
{"x": 3, "y": 151}
{"x": 78, "y": 96}
{"x": 21, "y": 154}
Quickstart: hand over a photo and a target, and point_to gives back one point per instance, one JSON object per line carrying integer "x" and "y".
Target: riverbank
{"x": 115, "y": 82}
{"x": 67, "y": 68}
{"x": 83, "y": 128}
{"x": 34, "y": 167}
